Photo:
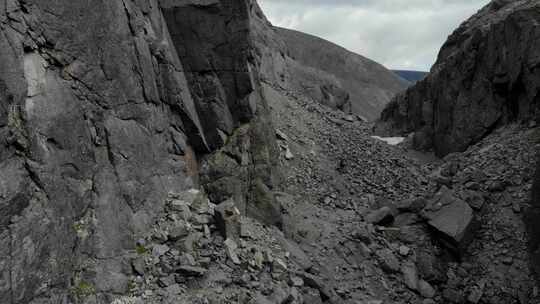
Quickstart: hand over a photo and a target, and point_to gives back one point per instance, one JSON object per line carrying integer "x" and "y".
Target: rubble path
{"x": 337, "y": 174}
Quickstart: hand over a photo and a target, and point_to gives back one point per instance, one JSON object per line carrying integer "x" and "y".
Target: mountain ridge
{"x": 369, "y": 84}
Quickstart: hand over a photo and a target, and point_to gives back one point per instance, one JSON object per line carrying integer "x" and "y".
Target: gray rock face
{"x": 337, "y": 77}
{"x": 487, "y": 74}
{"x": 102, "y": 114}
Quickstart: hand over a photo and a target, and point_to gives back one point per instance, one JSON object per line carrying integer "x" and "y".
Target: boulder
{"x": 452, "y": 219}
{"x": 230, "y": 248}
{"x": 227, "y": 217}
{"x": 425, "y": 289}
{"x": 410, "y": 275}
{"x": 388, "y": 261}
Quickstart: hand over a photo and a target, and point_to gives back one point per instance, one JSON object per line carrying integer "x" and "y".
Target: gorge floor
{"x": 339, "y": 173}
{"x": 354, "y": 231}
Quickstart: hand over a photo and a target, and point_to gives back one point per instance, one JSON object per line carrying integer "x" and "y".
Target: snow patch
{"x": 390, "y": 140}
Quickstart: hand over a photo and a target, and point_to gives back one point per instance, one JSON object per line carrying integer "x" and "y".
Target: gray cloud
{"x": 401, "y": 34}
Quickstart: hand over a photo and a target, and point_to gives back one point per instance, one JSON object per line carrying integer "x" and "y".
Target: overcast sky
{"x": 401, "y": 34}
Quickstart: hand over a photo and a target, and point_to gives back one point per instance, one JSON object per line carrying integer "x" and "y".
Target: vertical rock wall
{"x": 98, "y": 124}
{"x": 217, "y": 42}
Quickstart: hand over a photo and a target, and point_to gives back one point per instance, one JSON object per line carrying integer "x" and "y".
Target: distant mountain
{"x": 338, "y": 77}
{"x": 411, "y": 76}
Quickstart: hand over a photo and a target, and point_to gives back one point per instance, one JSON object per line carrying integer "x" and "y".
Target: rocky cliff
{"x": 107, "y": 107}
{"x": 486, "y": 75}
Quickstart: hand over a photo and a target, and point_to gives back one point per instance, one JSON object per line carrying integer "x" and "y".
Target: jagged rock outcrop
{"x": 105, "y": 108}
{"x": 487, "y": 74}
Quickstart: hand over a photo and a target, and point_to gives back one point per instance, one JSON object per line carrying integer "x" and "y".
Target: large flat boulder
{"x": 452, "y": 219}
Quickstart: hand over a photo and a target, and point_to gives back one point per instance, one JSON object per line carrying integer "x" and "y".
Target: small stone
{"x": 516, "y": 207}
{"x": 316, "y": 282}
{"x": 476, "y": 293}
{"x": 282, "y": 136}
{"x": 187, "y": 259}
{"x": 279, "y": 269}
{"x": 496, "y": 186}
{"x": 425, "y": 289}
{"x": 207, "y": 232}
{"x": 177, "y": 232}
{"x": 349, "y": 118}
{"x": 404, "y": 250}
{"x": 474, "y": 198}
{"x": 191, "y": 241}
{"x": 508, "y": 261}
{"x": 182, "y": 208}
{"x": 191, "y": 271}
{"x": 279, "y": 266}
{"x": 472, "y": 185}
{"x": 228, "y": 219}
{"x": 388, "y": 260}
{"x": 296, "y": 281}
{"x": 411, "y": 205}
{"x": 410, "y": 275}
{"x": 382, "y": 216}
{"x": 205, "y": 261}
{"x": 231, "y": 246}
{"x": 258, "y": 259}
{"x": 452, "y": 296}
{"x": 138, "y": 266}
{"x": 166, "y": 281}
{"x": 159, "y": 250}
{"x": 440, "y": 179}
{"x": 288, "y": 154}
{"x": 363, "y": 234}
{"x": 202, "y": 219}
{"x": 174, "y": 289}
{"x": 245, "y": 231}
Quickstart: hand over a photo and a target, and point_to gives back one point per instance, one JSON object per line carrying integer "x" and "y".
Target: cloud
{"x": 401, "y": 34}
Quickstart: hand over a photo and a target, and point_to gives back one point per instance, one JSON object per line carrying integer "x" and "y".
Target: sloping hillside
{"x": 411, "y": 76}
{"x": 370, "y": 86}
